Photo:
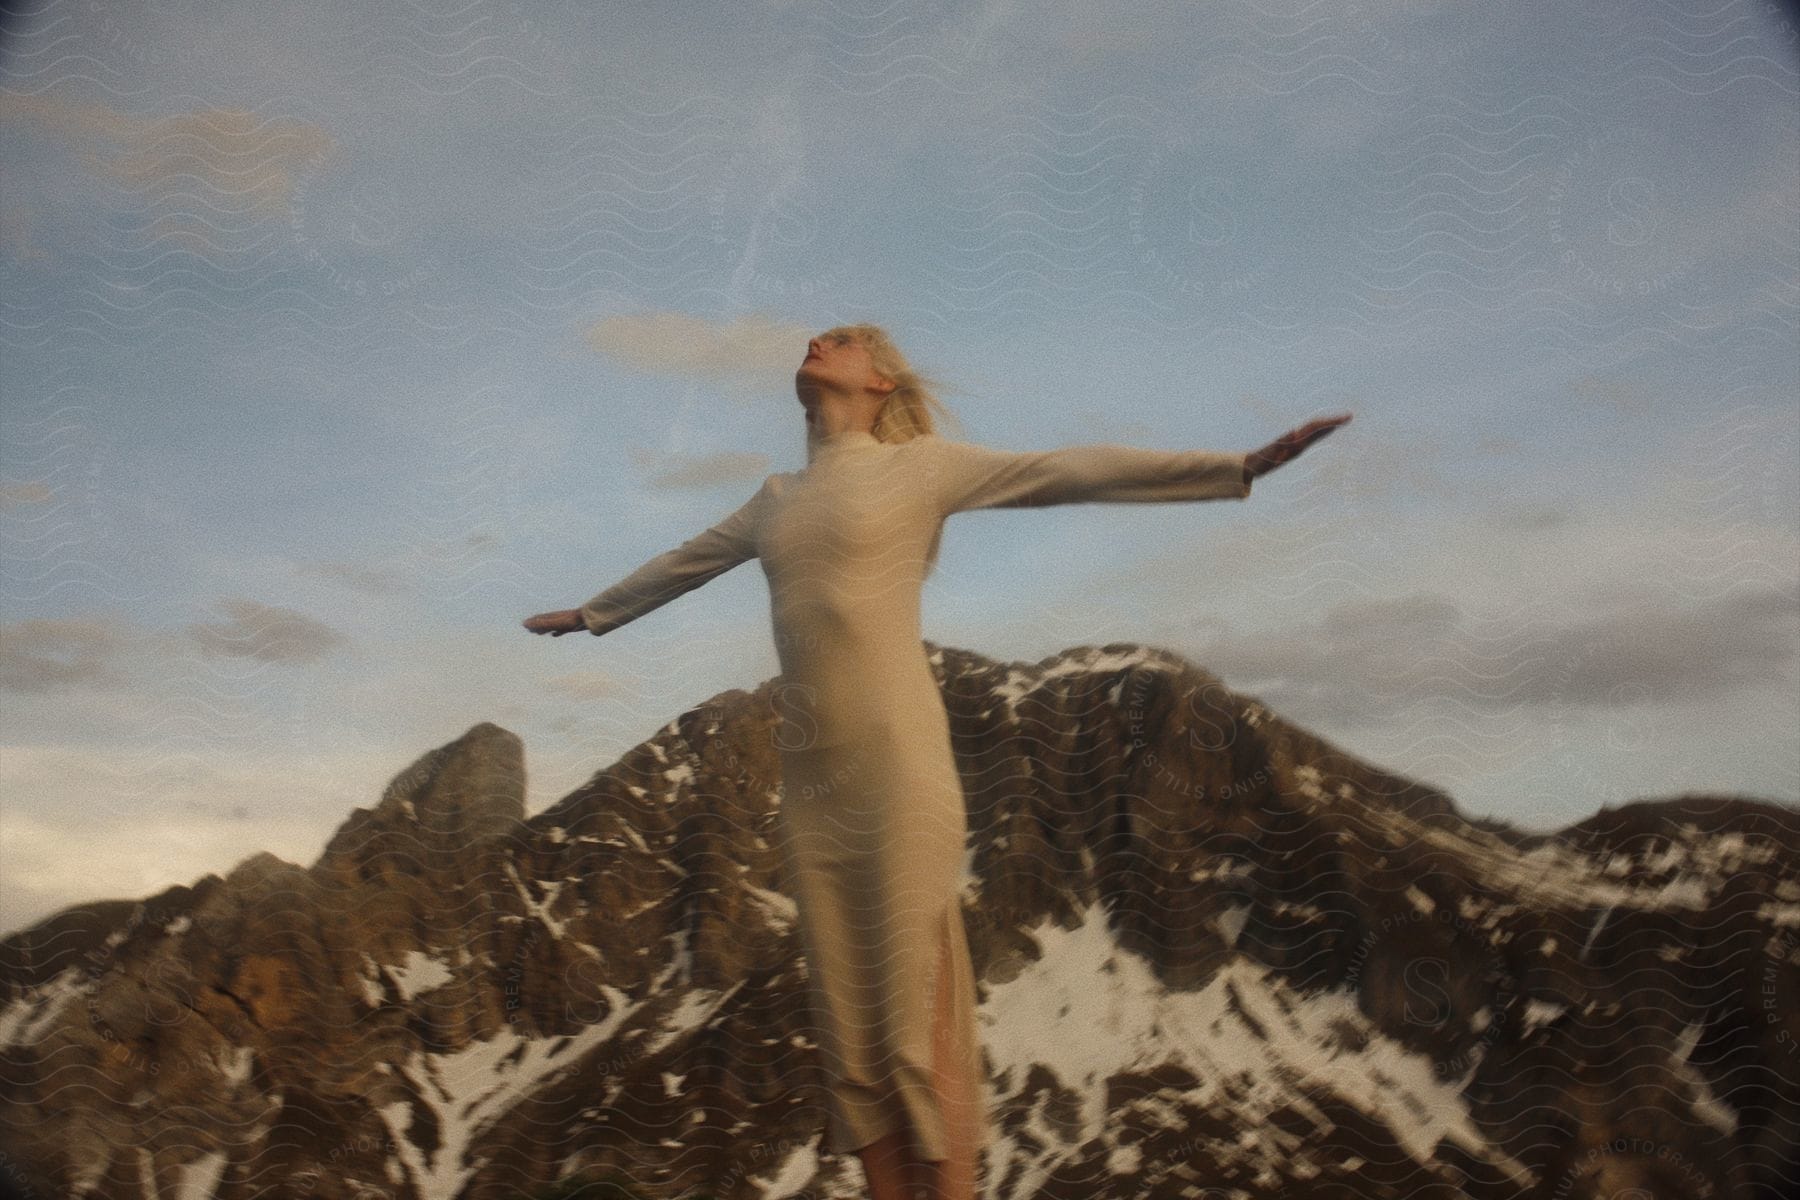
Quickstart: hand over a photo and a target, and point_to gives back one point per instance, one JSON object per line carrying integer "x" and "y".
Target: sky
{"x": 337, "y": 339}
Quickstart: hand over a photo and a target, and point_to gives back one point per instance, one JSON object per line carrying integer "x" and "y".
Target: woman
{"x": 872, "y": 819}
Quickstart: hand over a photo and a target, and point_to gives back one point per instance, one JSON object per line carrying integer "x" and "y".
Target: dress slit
{"x": 915, "y": 1082}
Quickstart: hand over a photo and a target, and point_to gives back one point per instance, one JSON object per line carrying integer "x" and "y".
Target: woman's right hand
{"x": 1288, "y": 446}
{"x": 556, "y": 624}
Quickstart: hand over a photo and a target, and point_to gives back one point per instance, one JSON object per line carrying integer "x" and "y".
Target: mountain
{"x": 1219, "y": 957}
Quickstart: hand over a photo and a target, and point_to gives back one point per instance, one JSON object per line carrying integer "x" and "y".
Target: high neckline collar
{"x": 829, "y": 443}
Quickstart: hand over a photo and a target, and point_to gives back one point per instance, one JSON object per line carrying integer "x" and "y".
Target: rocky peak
{"x": 1213, "y": 950}
{"x": 471, "y": 789}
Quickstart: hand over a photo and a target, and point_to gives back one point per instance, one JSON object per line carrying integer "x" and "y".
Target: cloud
{"x": 229, "y": 150}
{"x": 1743, "y": 639}
{"x": 55, "y": 655}
{"x": 588, "y": 685}
{"x": 16, "y": 234}
{"x": 371, "y": 581}
{"x": 267, "y": 632}
{"x": 682, "y": 472}
{"x": 1530, "y": 517}
{"x": 1423, "y": 646}
{"x": 1617, "y": 394}
{"x": 747, "y": 350}
{"x": 16, "y": 495}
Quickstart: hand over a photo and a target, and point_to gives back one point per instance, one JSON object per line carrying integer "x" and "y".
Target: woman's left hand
{"x": 566, "y": 620}
{"x": 1290, "y": 444}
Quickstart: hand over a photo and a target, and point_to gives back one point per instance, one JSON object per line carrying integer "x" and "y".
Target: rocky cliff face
{"x": 1219, "y": 957}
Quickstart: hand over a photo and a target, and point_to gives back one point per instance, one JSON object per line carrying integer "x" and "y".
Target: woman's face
{"x": 837, "y": 361}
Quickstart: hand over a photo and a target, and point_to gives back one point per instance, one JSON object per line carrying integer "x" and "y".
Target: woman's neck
{"x": 832, "y": 420}
{"x": 826, "y": 442}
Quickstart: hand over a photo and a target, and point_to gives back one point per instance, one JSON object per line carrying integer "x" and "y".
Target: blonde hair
{"x": 909, "y": 407}
{"x": 908, "y": 411}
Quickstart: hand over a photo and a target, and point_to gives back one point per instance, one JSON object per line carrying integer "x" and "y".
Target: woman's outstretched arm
{"x": 700, "y": 559}
{"x": 967, "y": 476}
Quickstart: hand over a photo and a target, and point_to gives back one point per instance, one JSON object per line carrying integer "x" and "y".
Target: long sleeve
{"x": 966, "y": 476}
{"x": 701, "y": 558}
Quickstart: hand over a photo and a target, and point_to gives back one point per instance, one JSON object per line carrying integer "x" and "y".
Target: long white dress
{"x": 872, "y": 820}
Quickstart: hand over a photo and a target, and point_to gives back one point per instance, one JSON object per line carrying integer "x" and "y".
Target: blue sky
{"x": 338, "y": 340}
